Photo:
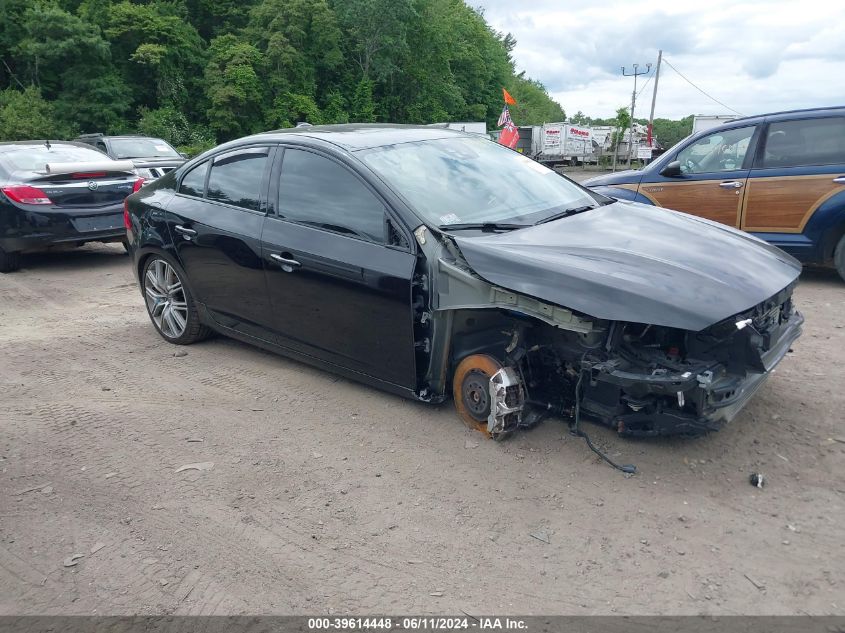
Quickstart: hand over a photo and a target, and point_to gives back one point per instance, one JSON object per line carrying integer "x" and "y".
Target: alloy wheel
{"x": 165, "y": 298}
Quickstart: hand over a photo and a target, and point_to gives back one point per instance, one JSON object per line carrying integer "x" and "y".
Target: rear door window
{"x": 193, "y": 183}
{"x": 237, "y": 177}
{"x": 805, "y": 142}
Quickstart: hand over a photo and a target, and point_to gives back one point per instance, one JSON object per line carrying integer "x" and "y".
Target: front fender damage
{"x": 639, "y": 379}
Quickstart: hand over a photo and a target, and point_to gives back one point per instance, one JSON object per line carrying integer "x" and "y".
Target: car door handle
{"x": 184, "y": 230}
{"x": 839, "y": 180}
{"x": 287, "y": 264}
{"x": 730, "y": 184}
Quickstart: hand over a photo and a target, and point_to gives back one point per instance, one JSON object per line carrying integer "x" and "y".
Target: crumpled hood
{"x": 634, "y": 262}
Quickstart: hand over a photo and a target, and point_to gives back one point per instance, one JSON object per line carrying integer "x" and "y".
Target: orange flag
{"x": 508, "y": 98}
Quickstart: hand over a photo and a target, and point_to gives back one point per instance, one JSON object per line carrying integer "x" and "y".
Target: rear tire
{"x": 839, "y": 257}
{"x": 9, "y": 262}
{"x": 169, "y": 302}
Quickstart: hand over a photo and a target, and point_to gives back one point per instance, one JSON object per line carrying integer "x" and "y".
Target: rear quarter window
{"x": 193, "y": 183}
{"x": 805, "y": 142}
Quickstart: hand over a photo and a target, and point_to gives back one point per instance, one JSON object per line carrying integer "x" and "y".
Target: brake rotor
{"x": 471, "y": 390}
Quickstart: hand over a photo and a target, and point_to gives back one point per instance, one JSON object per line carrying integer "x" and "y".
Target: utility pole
{"x": 654, "y": 100}
{"x": 634, "y": 74}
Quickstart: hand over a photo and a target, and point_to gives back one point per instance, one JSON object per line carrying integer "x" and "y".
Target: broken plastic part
{"x": 419, "y": 233}
{"x": 740, "y": 325}
{"x": 507, "y": 398}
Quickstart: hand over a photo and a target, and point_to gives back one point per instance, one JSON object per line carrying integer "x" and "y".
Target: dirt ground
{"x": 326, "y": 496}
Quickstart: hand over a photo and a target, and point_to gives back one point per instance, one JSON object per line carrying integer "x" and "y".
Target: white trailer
{"x": 565, "y": 143}
{"x": 706, "y": 121}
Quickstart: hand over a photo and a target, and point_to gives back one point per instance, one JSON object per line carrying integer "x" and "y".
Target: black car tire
{"x": 839, "y": 257}
{"x": 9, "y": 262}
{"x": 194, "y": 330}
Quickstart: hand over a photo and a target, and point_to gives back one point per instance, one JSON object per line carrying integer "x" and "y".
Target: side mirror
{"x": 672, "y": 170}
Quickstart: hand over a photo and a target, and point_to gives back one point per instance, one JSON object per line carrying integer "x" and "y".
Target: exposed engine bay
{"x": 514, "y": 360}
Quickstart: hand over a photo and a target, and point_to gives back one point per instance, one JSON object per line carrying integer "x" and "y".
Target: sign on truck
{"x": 565, "y": 143}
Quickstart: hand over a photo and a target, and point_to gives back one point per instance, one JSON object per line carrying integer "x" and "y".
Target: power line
{"x": 665, "y": 61}
{"x": 644, "y": 86}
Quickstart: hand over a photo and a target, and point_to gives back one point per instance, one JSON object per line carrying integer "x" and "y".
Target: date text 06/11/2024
{"x": 417, "y": 624}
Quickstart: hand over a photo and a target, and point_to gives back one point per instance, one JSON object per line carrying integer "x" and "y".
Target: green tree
{"x": 668, "y": 132}
{"x": 375, "y": 33}
{"x": 533, "y": 104}
{"x": 290, "y": 108}
{"x": 233, "y": 88}
{"x": 68, "y": 59}
{"x": 300, "y": 41}
{"x": 24, "y": 114}
{"x": 158, "y": 49}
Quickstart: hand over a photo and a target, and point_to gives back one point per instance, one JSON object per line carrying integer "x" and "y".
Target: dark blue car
{"x": 778, "y": 176}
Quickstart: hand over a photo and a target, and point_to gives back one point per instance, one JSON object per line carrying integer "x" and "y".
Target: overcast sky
{"x": 755, "y": 56}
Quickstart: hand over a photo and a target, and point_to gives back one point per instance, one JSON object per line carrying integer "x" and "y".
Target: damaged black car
{"x": 438, "y": 264}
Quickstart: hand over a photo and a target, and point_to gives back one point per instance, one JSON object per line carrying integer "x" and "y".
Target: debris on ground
{"x": 180, "y": 353}
{"x": 540, "y": 535}
{"x": 470, "y": 444}
{"x": 97, "y": 547}
{"x": 756, "y": 479}
{"x": 197, "y": 466}
{"x": 71, "y": 561}
{"x": 32, "y": 489}
{"x": 759, "y": 585}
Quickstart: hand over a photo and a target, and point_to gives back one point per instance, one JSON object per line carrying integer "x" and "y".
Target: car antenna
{"x": 47, "y": 143}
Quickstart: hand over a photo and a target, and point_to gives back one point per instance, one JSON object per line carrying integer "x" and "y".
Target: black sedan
{"x": 56, "y": 192}
{"x": 433, "y": 263}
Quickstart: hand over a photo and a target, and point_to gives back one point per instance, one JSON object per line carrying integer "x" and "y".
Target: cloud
{"x": 754, "y": 56}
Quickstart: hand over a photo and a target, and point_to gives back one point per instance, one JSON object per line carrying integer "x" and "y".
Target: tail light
{"x": 127, "y": 221}
{"x": 26, "y": 194}
{"x": 138, "y": 184}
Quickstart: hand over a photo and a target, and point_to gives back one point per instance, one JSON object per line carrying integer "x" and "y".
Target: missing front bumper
{"x": 690, "y": 403}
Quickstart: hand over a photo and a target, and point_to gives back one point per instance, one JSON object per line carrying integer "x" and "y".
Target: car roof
{"x": 358, "y": 136}
{"x": 789, "y": 114}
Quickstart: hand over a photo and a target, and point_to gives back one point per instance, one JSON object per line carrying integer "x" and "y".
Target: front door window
{"x": 720, "y": 151}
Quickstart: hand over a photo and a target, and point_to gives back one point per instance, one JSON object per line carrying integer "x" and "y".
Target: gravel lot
{"x": 331, "y": 497}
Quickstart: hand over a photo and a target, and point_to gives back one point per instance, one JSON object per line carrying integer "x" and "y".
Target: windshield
{"x": 35, "y": 157}
{"x": 142, "y": 148}
{"x": 465, "y": 180}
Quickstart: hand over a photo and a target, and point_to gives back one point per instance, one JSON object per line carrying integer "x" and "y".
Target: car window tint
{"x": 320, "y": 192}
{"x": 721, "y": 151}
{"x": 236, "y": 178}
{"x": 805, "y": 142}
{"x": 193, "y": 184}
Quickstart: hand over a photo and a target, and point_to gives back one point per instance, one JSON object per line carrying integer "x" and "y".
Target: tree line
{"x": 197, "y": 72}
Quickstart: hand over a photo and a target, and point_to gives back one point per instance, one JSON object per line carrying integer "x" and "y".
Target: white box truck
{"x": 565, "y": 143}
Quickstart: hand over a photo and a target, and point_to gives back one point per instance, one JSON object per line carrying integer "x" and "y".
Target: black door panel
{"x": 348, "y": 302}
{"x": 220, "y": 249}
